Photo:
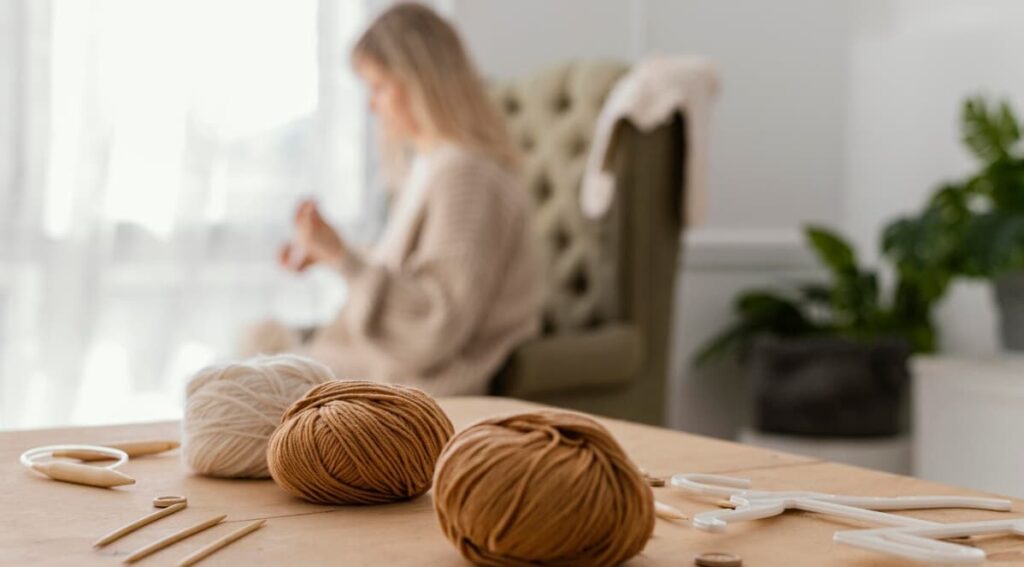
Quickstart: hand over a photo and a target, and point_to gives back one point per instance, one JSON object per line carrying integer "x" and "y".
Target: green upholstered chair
{"x": 609, "y": 284}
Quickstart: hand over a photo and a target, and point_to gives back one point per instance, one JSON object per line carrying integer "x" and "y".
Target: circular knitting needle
{"x": 215, "y": 546}
{"x": 666, "y": 512}
{"x": 103, "y": 477}
{"x": 173, "y": 538}
{"x": 147, "y": 519}
{"x": 132, "y": 448}
{"x": 83, "y": 474}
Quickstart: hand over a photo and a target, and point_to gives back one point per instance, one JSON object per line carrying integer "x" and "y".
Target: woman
{"x": 451, "y": 287}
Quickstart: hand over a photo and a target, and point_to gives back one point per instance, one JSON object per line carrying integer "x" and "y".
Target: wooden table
{"x": 43, "y": 522}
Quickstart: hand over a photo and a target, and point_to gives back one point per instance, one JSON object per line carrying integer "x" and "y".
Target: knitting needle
{"x": 133, "y": 448}
{"x": 147, "y": 519}
{"x": 215, "y": 546}
{"x": 173, "y": 538}
{"x": 83, "y": 474}
{"x": 666, "y": 512}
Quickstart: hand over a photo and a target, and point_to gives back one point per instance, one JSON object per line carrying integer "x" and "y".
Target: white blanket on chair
{"x": 650, "y": 95}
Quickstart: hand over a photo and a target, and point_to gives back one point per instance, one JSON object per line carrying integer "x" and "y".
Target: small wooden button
{"x": 165, "y": 501}
{"x": 652, "y": 480}
{"x": 718, "y": 559}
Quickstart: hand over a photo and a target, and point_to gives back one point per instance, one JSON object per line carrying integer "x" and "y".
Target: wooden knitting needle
{"x": 147, "y": 519}
{"x": 212, "y": 548}
{"x": 666, "y": 512}
{"x": 83, "y": 474}
{"x": 173, "y": 538}
{"x": 133, "y": 448}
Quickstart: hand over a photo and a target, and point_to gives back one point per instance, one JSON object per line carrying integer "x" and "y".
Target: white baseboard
{"x": 717, "y": 249}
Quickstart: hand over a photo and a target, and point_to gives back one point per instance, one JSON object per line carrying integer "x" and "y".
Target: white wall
{"x": 776, "y": 159}
{"x": 510, "y": 39}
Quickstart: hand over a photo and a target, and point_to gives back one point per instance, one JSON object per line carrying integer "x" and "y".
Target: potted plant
{"x": 830, "y": 359}
{"x": 975, "y": 227}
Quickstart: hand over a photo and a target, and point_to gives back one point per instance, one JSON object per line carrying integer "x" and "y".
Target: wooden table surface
{"x": 43, "y": 522}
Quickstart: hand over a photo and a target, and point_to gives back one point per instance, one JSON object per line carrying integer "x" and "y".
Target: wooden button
{"x": 653, "y": 480}
{"x": 718, "y": 559}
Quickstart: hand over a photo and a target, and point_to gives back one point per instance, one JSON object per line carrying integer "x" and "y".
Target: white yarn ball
{"x": 231, "y": 410}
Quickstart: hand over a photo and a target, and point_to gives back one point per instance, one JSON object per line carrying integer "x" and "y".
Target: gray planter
{"x": 830, "y": 386}
{"x": 1009, "y": 291}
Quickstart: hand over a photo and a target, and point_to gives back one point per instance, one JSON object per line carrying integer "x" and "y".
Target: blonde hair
{"x": 424, "y": 53}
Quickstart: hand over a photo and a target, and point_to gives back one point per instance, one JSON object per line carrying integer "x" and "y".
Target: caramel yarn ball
{"x": 232, "y": 409}
{"x": 546, "y": 487}
{"x": 358, "y": 443}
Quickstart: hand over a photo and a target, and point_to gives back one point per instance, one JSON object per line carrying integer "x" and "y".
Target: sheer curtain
{"x": 152, "y": 152}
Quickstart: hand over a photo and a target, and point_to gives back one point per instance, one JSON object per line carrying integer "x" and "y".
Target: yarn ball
{"x": 546, "y": 487}
{"x": 358, "y": 442}
{"x": 231, "y": 410}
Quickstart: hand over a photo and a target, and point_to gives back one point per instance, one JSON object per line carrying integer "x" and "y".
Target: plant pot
{"x": 830, "y": 387}
{"x": 1009, "y": 290}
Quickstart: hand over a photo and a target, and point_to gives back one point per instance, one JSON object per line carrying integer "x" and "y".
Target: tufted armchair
{"x": 608, "y": 284}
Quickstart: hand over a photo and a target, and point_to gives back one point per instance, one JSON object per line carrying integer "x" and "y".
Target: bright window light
{"x": 168, "y": 142}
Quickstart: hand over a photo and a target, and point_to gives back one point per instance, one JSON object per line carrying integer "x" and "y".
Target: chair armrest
{"x": 599, "y": 359}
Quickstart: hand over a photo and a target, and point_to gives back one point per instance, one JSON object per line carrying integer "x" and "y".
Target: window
{"x": 158, "y": 148}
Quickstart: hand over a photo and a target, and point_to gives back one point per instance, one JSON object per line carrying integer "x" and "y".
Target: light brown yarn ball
{"x": 546, "y": 487}
{"x": 358, "y": 443}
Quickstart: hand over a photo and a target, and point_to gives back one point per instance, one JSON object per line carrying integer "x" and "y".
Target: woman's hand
{"x": 314, "y": 241}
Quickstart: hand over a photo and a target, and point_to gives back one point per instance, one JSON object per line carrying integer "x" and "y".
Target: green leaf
{"x": 855, "y": 300}
{"x": 989, "y": 132}
{"x": 816, "y": 293}
{"x": 922, "y": 337}
{"x": 832, "y": 250}
{"x": 930, "y": 245}
{"x": 1004, "y": 179}
{"x": 758, "y": 312}
{"x": 771, "y": 312}
{"x": 994, "y": 243}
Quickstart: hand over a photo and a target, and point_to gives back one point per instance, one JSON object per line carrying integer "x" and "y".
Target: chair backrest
{"x": 610, "y": 282}
{"x": 551, "y": 116}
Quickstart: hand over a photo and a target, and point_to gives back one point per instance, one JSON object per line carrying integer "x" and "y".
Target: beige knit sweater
{"x": 453, "y": 291}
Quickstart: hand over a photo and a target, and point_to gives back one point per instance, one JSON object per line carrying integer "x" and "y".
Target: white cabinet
{"x": 969, "y": 422}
